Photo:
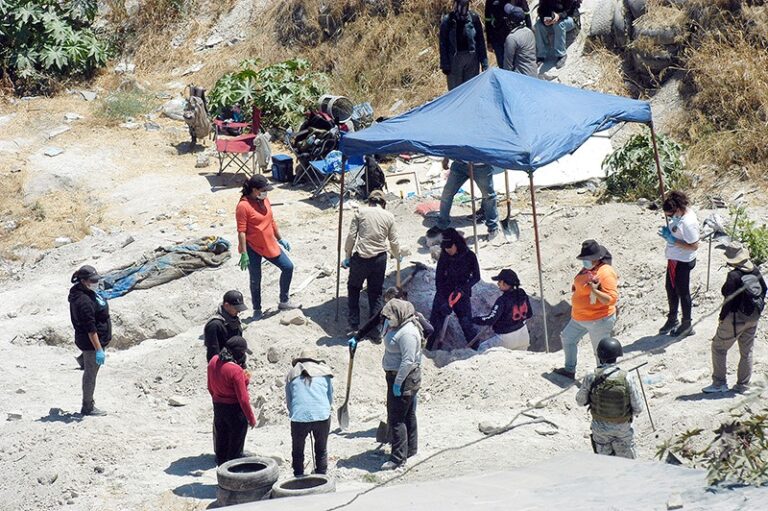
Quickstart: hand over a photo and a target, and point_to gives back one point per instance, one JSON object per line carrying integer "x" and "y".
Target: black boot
{"x": 683, "y": 330}
{"x": 670, "y": 325}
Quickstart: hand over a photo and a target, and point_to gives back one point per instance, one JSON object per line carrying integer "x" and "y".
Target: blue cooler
{"x": 282, "y": 168}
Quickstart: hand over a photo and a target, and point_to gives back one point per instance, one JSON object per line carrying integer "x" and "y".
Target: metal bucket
{"x": 338, "y": 107}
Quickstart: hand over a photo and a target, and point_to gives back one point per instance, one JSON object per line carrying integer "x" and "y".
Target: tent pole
{"x": 338, "y": 240}
{"x": 662, "y": 192}
{"x": 474, "y": 209}
{"x": 538, "y": 260}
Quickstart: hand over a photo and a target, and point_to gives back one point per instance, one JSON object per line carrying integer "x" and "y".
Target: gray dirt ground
{"x": 149, "y": 455}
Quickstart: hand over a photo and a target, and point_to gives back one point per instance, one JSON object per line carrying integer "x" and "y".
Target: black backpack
{"x": 374, "y": 178}
{"x": 752, "y": 298}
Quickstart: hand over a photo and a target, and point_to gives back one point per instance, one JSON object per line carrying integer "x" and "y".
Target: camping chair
{"x": 240, "y": 150}
{"x": 317, "y": 136}
{"x": 354, "y": 168}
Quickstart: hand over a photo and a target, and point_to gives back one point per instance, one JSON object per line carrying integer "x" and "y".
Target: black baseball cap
{"x": 235, "y": 299}
{"x": 507, "y": 276}
{"x": 86, "y": 272}
{"x": 260, "y": 182}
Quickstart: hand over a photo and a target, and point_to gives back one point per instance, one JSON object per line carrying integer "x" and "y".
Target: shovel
{"x": 509, "y": 226}
{"x": 452, "y": 300}
{"x": 343, "y": 413}
{"x": 382, "y": 433}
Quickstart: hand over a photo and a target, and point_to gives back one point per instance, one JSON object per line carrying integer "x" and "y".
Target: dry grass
{"x": 612, "y": 79}
{"x": 60, "y": 213}
{"x": 727, "y": 75}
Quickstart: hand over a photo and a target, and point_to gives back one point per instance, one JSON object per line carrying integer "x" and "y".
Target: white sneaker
{"x": 714, "y": 389}
{"x": 391, "y": 465}
{"x": 287, "y": 306}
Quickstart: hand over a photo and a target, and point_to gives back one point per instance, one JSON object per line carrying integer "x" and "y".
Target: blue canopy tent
{"x": 504, "y": 119}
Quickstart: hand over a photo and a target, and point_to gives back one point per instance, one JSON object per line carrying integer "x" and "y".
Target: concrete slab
{"x": 574, "y": 481}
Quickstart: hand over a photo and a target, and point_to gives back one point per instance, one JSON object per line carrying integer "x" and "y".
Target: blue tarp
{"x": 500, "y": 118}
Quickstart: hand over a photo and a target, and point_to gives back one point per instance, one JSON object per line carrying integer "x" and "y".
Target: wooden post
{"x": 474, "y": 209}
{"x": 538, "y": 260}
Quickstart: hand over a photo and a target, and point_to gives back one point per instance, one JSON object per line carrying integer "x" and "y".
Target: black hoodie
{"x": 457, "y": 273}
{"x": 89, "y": 314}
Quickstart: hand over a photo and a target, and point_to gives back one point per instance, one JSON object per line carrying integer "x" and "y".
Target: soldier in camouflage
{"x": 613, "y": 399}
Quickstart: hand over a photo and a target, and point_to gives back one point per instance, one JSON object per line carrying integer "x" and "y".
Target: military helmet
{"x": 609, "y": 349}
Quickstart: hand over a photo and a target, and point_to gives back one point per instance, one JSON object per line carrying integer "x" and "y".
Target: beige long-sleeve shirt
{"x": 372, "y": 232}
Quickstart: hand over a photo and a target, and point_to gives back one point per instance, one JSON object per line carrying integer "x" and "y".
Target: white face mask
{"x": 588, "y": 264}
{"x": 385, "y": 326}
{"x": 93, "y": 286}
{"x": 262, "y": 196}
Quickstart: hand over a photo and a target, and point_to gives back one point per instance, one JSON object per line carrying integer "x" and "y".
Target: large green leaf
{"x": 54, "y": 56}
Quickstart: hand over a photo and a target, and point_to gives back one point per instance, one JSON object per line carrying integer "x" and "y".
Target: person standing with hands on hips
{"x": 682, "y": 237}
{"x": 89, "y": 313}
{"x": 259, "y": 237}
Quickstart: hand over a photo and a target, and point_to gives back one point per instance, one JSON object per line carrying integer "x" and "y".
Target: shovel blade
{"x": 343, "y": 416}
{"x": 511, "y": 229}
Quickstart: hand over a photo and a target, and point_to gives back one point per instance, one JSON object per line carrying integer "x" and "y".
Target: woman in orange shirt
{"x": 593, "y": 304}
{"x": 258, "y": 237}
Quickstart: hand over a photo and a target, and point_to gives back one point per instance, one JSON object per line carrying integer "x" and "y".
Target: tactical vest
{"x": 609, "y": 396}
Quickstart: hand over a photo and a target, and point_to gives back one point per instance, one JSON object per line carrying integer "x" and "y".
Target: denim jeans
{"x": 598, "y": 330}
{"x": 459, "y": 175}
{"x": 558, "y": 32}
{"x": 498, "y": 50}
{"x": 283, "y": 262}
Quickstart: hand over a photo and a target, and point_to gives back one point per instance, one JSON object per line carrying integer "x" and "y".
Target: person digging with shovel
{"x": 457, "y": 271}
{"x": 402, "y": 367}
{"x": 508, "y": 315}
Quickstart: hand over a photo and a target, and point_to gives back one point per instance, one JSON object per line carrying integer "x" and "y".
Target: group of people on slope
{"x": 518, "y": 45}
{"x": 309, "y": 390}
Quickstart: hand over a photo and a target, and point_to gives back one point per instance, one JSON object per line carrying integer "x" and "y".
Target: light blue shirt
{"x": 309, "y": 399}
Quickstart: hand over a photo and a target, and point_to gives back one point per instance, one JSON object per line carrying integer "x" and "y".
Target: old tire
{"x": 245, "y": 474}
{"x": 308, "y": 485}
{"x": 230, "y": 498}
{"x": 622, "y": 24}
{"x": 636, "y": 7}
{"x": 602, "y": 19}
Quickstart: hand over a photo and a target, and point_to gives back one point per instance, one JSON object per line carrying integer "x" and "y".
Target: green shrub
{"x": 120, "y": 105}
{"x": 755, "y": 238}
{"x": 41, "y": 40}
{"x": 738, "y": 453}
{"x": 631, "y": 169}
{"x": 283, "y": 92}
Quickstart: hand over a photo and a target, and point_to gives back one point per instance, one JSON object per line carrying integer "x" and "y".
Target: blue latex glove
{"x": 284, "y": 243}
{"x": 396, "y": 390}
{"x": 345, "y": 263}
{"x": 665, "y": 233}
{"x": 101, "y": 357}
{"x": 352, "y": 342}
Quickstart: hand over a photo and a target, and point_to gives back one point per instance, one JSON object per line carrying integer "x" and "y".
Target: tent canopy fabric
{"x": 500, "y": 118}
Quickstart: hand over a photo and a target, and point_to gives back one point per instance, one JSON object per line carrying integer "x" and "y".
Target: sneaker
{"x": 715, "y": 388}
{"x": 95, "y": 412}
{"x": 683, "y": 330}
{"x": 391, "y": 465}
{"x": 287, "y": 306}
{"x": 562, "y": 371}
{"x": 670, "y": 325}
{"x": 493, "y": 235}
{"x": 257, "y": 315}
{"x": 741, "y": 388}
{"x": 560, "y": 64}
